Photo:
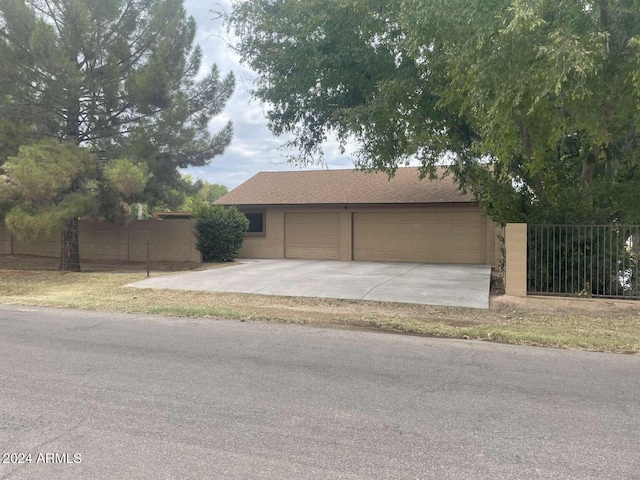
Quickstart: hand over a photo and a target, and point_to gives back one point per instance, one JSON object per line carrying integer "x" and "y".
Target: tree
{"x": 533, "y": 105}
{"x": 117, "y": 83}
{"x": 210, "y": 192}
{"x": 11, "y": 137}
{"x": 201, "y": 194}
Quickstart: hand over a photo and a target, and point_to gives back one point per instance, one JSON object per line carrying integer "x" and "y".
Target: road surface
{"x": 119, "y": 396}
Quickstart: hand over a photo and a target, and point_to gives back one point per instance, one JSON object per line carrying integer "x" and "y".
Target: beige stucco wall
{"x": 272, "y": 244}
{"x": 515, "y": 277}
{"x": 44, "y": 247}
{"x": 169, "y": 241}
{"x": 346, "y": 230}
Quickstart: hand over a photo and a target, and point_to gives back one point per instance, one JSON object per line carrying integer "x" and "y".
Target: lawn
{"x": 587, "y": 324}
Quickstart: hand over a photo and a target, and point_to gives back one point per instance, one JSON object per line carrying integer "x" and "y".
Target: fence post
{"x": 148, "y": 235}
{"x": 63, "y": 248}
{"x": 515, "y": 240}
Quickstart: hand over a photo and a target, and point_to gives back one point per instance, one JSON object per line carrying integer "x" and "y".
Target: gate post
{"x": 515, "y": 242}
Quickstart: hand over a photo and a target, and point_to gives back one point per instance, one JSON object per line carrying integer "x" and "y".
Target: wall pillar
{"x": 346, "y": 235}
{"x": 515, "y": 278}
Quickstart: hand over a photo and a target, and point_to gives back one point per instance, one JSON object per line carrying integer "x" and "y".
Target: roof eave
{"x": 342, "y": 204}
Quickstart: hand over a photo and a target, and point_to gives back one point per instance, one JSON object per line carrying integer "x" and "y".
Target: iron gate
{"x": 583, "y": 260}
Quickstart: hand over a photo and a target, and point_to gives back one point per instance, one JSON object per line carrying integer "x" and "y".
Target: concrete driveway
{"x": 429, "y": 284}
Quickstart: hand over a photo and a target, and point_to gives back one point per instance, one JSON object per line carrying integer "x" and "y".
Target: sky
{"x": 253, "y": 148}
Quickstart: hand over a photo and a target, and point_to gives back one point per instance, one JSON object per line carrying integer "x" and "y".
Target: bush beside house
{"x": 220, "y": 232}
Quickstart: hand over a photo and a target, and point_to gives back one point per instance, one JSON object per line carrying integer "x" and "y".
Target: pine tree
{"x": 116, "y": 83}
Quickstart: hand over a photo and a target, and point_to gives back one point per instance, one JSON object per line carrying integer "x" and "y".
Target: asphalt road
{"x": 162, "y": 398}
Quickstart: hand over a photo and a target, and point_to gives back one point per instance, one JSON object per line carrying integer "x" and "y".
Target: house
{"x": 355, "y": 215}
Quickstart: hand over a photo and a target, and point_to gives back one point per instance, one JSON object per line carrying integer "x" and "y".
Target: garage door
{"x": 439, "y": 237}
{"x": 312, "y": 235}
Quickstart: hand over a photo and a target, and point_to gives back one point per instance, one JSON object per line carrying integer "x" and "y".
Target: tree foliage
{"x": 127, "y": 178}
{"x": 201, "y": 194}
{"x": 220, "y": 232}
{"x": 533, "y": 104}
{"x": 118, "y": 79}
{"x": 39, "y": 181}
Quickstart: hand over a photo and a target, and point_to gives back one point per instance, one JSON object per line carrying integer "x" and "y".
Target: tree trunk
{"x": 588, "y": 168}
{"x": 70, "y": 254}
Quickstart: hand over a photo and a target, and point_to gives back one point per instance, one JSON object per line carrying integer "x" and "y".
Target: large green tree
{"x": 117, "y": 84}
{"x": 533, "y": 104}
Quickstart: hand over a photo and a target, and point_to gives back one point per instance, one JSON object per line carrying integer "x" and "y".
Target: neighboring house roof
{"x": 171, "y": 215}
{"x": 343, "y": 187}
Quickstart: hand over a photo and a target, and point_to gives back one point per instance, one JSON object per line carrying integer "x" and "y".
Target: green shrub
{"x": 220, "y": 232}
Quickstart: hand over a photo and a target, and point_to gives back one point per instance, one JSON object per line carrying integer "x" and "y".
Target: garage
{"x": 366, "y": 216}
{"x": 312, "y": 235}
{"x": 439, "y": 237}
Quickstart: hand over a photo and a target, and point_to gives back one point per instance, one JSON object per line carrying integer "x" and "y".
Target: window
{"x": 256, "y": 223}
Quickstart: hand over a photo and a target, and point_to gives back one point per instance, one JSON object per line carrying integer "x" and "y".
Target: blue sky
{"x": 253, "y": 148}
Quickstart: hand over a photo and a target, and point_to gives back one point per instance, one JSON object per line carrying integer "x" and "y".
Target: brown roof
{"x": 163, "y": 215}
{"x": 343, "y": 187}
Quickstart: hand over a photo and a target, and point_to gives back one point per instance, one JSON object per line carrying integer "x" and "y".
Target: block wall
{"x": 169, "y": 241}
{"x": 516, "y": 259}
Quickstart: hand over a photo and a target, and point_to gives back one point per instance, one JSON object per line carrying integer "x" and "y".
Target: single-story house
{"x": 355, "y": 215}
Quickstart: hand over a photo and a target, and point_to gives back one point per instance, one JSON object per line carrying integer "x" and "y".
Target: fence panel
{"x": 100, "y": 250}
{"x": 584, "y": 260}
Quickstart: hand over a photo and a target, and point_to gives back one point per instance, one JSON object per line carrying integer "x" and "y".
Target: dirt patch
{"x": 497, "y": 283}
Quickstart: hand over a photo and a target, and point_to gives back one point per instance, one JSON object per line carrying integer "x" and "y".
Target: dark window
{"x": 256, "y": 222}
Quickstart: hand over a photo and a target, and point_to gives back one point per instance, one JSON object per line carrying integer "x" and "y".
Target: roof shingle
{"x": 343, "y": 187}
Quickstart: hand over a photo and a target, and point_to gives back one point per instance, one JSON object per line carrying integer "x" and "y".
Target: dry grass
{"x": 35, "y": 262}
{"x": 598, "y": 325}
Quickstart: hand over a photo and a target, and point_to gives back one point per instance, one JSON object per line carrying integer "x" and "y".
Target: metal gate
{"x": 584, "y": 260}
